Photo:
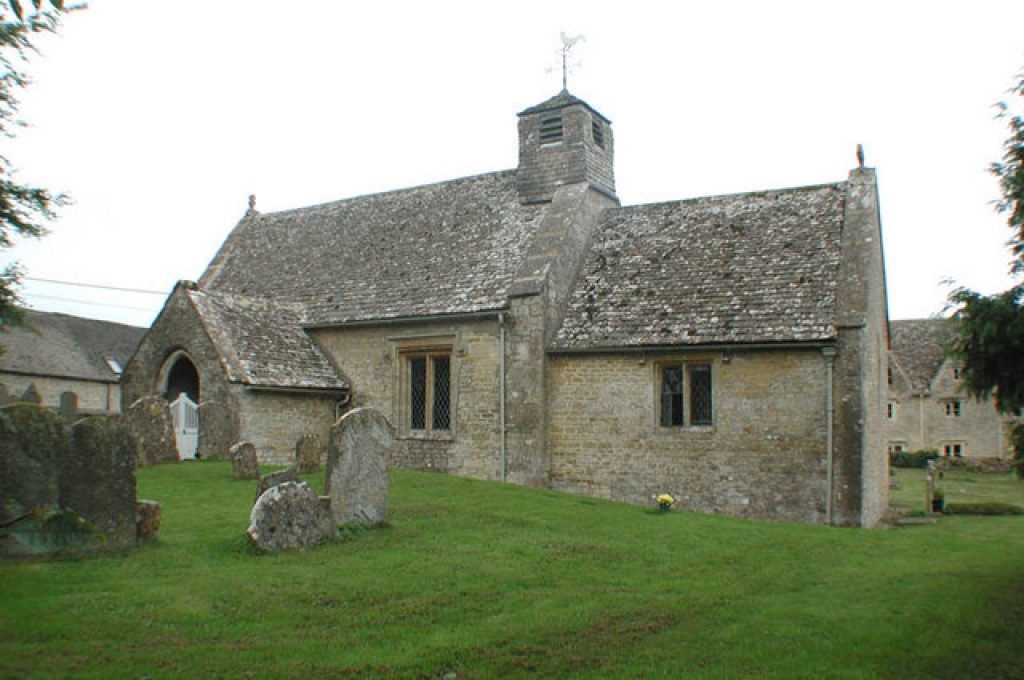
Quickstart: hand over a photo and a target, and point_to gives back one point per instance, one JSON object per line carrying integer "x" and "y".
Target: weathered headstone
{"x": 97, "y": 478}
{"x": 68, "y": 406}
{"x": 31, "y": 395}
{"x": 32, "y": 441}
{"x": 150, "y": 421}
{"x": 244, "y": 461}
{"x": 147, "y": 520}
{"x": 358, "y": 463}
{"x": 289, "y": 516}
{"x": 308, "y": 453}
{"x": 272, "y": 479}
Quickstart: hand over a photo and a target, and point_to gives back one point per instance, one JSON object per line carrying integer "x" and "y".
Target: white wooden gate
{"x": 185, "y": 414}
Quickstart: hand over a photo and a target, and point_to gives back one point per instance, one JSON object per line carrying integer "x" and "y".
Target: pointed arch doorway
{"x": 181, "y": 389}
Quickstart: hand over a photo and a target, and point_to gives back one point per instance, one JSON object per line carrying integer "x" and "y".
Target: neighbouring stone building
{"x": 52, "y": 354}
{"x": 927, "y": 406}
{"x": 524, "y": 326}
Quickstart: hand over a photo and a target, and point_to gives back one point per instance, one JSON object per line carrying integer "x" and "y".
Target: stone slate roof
{"x": 71, "y": 347}
{"x": 746, "y": 268}
{"x": 447, "y": 248}
{"x": 262, "y": 344}
{"x": 560, "y": 101}
{"x": 918, "y": 346}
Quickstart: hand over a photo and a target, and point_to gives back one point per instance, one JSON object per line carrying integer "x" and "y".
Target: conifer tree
{"x": 989, "y": 341}
{"x": 24, "y": 209}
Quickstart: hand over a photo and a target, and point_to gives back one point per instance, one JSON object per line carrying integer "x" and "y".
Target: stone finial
{"x": 860, "y": 155}
{"x": 252, "y": 203}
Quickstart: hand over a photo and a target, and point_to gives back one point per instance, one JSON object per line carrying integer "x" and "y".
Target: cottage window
{"x": 952, "y": 408}
{"x": 897, "y": 447}
{"x": 954, "y": 450}
{"x": 685, "y": 395}
{"x": 427, "y": 399}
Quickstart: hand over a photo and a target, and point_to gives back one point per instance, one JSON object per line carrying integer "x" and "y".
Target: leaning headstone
{"x": 149, "y": 419}
{"x": 358, "y": 462}
{"x": 308, "y": 452}
{"x": 147, "y": 520}
{"x": 32, "y": 442}
{"x": 289, "y": 516}
{"x": 244, "y": 461}
{"x": 97, "y": 478}
{"x": 272, "y": 479}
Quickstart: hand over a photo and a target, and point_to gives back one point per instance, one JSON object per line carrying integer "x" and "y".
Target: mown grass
{"x": 481, "y": 580}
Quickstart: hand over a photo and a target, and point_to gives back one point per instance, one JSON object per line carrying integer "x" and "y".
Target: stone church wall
{"x": 274, "y": 421}
{"x": 764, "y": 456}
{"x": 373, "y": 362}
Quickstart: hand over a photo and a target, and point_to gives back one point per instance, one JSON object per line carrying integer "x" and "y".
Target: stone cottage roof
{"x": 918, "y": 346}
{"x": 262, "y": 344}
{"x": 447, "y": 248}
{"x": 746, "y": 268}
{"x": 71, "y": 347}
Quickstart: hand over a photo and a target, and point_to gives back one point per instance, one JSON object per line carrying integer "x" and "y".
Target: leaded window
{"x": 429, "y": 393}
{"x": 686, "y": 395}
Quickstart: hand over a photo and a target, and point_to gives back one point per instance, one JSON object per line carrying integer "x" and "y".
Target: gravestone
{"x": 68, "y": 406}
{"x": 97, "y": 478}
{"x": 358, "y": 463}
{"x": 147, "y": 520}
{"x": 289, "y": 516}
{"x": 244, "y": 461}
{"x": 31, "y": 395}
{"x": 32, "y": 439}
{"x": 272, "y": 479}
{"x": 150, "y": 421}
{"x": 308, "y": 452}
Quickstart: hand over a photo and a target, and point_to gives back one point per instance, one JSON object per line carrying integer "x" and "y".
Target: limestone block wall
{"x": 764, "y": 456}
{"x": 372, "y": 359}
{"x": 274, "y": 421}
{"x": 178, "y": 329}
{"x": 92, "y": 396}
{"x": 920, "y": 421}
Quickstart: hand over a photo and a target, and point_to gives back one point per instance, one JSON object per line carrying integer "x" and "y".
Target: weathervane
{"x": 568, "y": 41}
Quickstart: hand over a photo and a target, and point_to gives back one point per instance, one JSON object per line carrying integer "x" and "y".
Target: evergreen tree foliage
{"x": 990, "y": 328}
{"x": 23, "y": 209}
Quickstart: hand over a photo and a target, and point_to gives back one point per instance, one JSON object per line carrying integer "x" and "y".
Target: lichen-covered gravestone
{"x": 98, "y": 479}
{"x": 31, "y": 441}
{"x": 289, "y": 516}
{"x": 358, "y": 464}
{"x": 272, "y": 479}
{"x": 308, "y": 452}
{"x": 150, "y": 421}
{"x": 244, "y": 461}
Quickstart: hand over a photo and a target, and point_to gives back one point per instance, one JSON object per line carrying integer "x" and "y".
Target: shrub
{"x": 988, "y": 508}
{"x": 912, "y": 459}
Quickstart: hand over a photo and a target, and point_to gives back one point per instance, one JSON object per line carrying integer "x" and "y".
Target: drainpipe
{"x": 830, "y": 354}
{"x": 501, "y": 390}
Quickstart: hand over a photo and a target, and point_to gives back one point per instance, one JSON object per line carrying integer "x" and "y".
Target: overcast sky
{"x": 161, "y": 118}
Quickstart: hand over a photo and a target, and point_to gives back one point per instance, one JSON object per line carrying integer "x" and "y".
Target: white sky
{"x": 160, "y": 118}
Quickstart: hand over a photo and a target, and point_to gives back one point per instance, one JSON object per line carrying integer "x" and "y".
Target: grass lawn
{"x": 476, "y": 579}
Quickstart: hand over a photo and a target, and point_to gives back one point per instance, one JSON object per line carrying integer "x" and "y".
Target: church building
{"x": 524, "y": 326}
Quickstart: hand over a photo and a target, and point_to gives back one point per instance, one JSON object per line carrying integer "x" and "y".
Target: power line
{"x": 90, "y": 303}
{"x": 95, "y": 285}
